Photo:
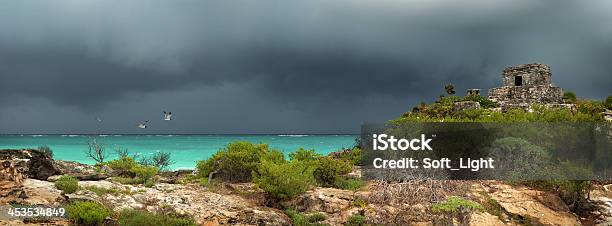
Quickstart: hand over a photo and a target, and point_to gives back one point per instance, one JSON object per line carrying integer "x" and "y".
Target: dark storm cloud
{"x": 308, "y": 57}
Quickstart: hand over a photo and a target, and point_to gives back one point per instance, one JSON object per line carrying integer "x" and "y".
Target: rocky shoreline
{"x": 26, "y": 177}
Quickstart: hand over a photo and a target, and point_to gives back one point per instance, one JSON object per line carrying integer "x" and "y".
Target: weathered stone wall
{"x": 536, "y": 87}
{"x": 465, "y": 105}
{"x": 532, "y": 75}
{"x": 528, "y": 95}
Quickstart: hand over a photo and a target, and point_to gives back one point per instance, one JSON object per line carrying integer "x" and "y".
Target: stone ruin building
{"x": 527, "y": 84}
{"x": 523, "y": 85}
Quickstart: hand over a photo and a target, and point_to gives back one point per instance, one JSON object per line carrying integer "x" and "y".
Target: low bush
{"x": 353, "y": 156}
{"x": 484, "y": 102}
{"x": 301, "y": 219}
{"x": 127, "y": 180}
{"x": 590, "y": 107}
{"x": 130, "y": 217}
{"x": 457, "y": 208}
{"x": 328, "y": 169}
{"x": 352, "y": 184}
{"x": 162, "y": 160}
{"x": 316, "y": 217}
{"x": 87, "y": 213}
{"x": 145, "y": 173}
{"x": 123, "y": 165}
{"x": 356, "y": 220}
{"x": 234, "y": 163}
{"x": 359, "y": 202}
{"x": 47, "y": 150}
{"x": 569, "y": 97}
{"x": 68, "y": 184}
{"x": 102, "y": 190}
{"x": 304, "y": 155}
{"x": 284, "y": 180}
{"x": 608, "y": 102}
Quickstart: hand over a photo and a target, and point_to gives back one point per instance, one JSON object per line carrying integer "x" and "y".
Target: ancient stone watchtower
{"x": 526, "y": 84}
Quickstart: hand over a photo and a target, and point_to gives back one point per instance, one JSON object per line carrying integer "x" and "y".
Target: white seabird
{"x": 143, "y": 125}
{"x": 167, "y": 116}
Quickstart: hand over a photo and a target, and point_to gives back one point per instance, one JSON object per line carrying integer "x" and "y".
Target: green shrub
{"x": 569, "y": 97}
{"x": 356, "y": 220}
{"x": 456, "y": 207}
{"x": 453, "y": 204}
{"x": 300, "y": 219}
{"x": 87, "y": 213}
{"x": 609, "y": 102}
{"x": 127, "y": 180}
{"x": 68, "y": 184}
{"x": 359, "y": 202}
{"x": 47, "y": 150}
{"x": 590, "y": 107}
{"x": 523, "y": 158}
{"x": 161, "y": 160}
{"x": 329, "y": 169}
{"x": 283, "y": 180}
{"x": 130, "y": 217}
{"x": 123, "y": 165}
{"x": 273, "y": 156}
{"x": 304, "y": 155}
{"x": 149, "y": 183}
{"x": 353, "y": 156}
{"x": 352, "y": 184}
{"x": 315, "y": 217}
{"x": 297, "y": 218}
{"x": 493, "y": 207}
{"x": 145, "y": 173}
{"x": 234, "y": 163}
{"x": 102, "y": 190}
{"x": 484, "y": 102}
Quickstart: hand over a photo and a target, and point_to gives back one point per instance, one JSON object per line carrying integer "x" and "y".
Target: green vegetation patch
{"x": 348, "y": 183}
{"x": 454, "y": 204}
{"x": 328, "y": 170}
{"x": 284, "y": 180}
{"x": 357, "y": 219}
{"x": 87, "y": 213}
{"x": 301, "y": 219}
{"x": 68, "y": 184}
{"x": 141, "y": 218}
{"x": 100, "y": 191}
{"x": 236, "y": 162}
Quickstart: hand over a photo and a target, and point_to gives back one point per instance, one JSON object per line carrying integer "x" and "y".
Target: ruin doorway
{"x": 518, "y": 80}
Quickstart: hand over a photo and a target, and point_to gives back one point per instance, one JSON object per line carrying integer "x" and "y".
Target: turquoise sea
{"x": 185, "y": 149}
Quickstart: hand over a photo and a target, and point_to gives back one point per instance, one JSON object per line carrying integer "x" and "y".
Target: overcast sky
{"x": 310, "y": 66}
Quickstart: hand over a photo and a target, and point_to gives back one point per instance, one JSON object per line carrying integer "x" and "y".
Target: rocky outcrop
{"x": 39, "y": 165}
{"x": 465, "y": 105}
{"x": 80, "y": 171}
{"x": 192, "y": 200}
{"x": 174, "y": 177}
{"x": 12, "y": 174}
{"x": 328, "y": 200}
{"x": 524, "y": 205}
{"x": 38, "y": 192}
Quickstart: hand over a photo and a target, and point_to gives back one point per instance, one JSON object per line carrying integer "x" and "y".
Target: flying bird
{"x": 143, "y": 125}
{"x": 167, "y": 116}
